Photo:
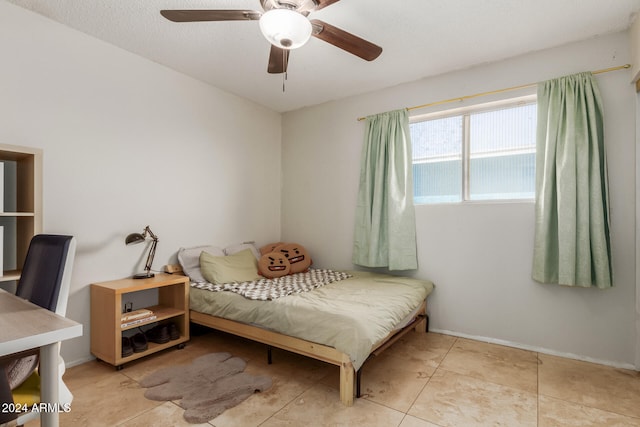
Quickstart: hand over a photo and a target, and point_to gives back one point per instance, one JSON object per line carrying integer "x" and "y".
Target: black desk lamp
{"x": 135, "y": 238}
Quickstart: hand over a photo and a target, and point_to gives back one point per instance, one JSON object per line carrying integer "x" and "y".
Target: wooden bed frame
{"x": 321, "y": 352}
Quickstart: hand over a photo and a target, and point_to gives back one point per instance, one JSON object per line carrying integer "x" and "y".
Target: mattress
{"x": 352, "y": 315}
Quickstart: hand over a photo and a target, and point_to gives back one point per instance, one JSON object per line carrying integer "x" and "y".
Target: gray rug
{"x": 207, "y": 387}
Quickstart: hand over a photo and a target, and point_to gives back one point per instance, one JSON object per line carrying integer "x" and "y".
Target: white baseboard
{"x": 536, "y": 349}
{"x": 81, "y": 361}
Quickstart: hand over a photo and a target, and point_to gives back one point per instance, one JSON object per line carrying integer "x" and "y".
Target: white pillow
{"x": 189, "y": 259}
{"x": 234, "y": 249}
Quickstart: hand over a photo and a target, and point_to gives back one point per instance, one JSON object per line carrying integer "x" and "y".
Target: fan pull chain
{"x": 284, "y": 67}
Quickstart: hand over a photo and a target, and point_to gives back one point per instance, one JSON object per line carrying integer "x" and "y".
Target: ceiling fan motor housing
{"x": 301, "y": 6}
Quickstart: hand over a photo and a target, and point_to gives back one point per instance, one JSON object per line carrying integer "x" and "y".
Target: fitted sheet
{"x": 353, "y": 315}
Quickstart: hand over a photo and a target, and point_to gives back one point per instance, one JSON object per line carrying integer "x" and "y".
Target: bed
{"x": 343, "y": 321}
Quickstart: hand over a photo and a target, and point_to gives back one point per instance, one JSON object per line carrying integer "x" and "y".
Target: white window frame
{"x": 466, "y": 112}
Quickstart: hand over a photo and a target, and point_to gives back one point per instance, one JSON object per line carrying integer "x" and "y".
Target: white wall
{"x": 637, "y": 257}
{"x": 128, "y": 143}
{"x": 478, "y": 255}
{"x": 634, "y": 35}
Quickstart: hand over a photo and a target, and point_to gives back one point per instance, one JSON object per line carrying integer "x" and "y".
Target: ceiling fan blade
{"x": 278, "y": 60}
{"x": 210, "y": 15}
{"x": 324, "y": 3}
{"x": 345, "y": 41}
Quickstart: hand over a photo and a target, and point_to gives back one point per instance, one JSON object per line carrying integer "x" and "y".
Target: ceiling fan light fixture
{"x": 285, "y": 28}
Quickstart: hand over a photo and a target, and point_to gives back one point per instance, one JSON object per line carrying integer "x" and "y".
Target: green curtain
{"x": 572, "y": 244}
{"x": 385, "y": 232}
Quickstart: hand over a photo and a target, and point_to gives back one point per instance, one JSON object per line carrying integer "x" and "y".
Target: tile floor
{"x": 424, "y": 380}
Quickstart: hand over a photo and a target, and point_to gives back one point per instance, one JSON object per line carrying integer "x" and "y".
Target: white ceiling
{"x": 420, "y": 38}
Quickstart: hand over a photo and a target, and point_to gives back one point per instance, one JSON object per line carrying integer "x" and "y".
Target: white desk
{"x": 25, "y": 326}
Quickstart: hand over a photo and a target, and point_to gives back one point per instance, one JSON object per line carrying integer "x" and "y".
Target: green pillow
{"x": 239, "y": 267}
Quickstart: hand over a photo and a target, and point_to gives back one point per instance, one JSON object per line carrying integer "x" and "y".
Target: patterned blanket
{"x": 270, "y": 289}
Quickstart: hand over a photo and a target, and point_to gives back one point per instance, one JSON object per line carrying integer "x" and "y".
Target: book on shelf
{"x": 138, "y": 321}
{"x": 142, "y": 315}
{"x": 136, "y": 314}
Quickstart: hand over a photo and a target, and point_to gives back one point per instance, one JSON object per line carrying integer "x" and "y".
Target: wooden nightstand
{"x": 106, "y": 312}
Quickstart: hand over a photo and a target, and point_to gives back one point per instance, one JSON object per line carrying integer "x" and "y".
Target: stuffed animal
{"x": 297, "y": 255}
{"x": 270, "y": 247}
{"x": 273, "y": 264}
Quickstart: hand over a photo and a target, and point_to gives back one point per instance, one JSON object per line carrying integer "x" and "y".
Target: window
{"x": 484, "y": 152}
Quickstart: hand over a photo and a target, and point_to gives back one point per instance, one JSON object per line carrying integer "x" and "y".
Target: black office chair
{"x": 45, "y": 281}
{"x": 44, "y": 270}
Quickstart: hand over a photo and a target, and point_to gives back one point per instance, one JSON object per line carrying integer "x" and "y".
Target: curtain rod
{"x": 493, "y": 92}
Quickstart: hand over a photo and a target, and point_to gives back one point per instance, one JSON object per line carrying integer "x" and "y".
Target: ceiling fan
{"x": 285, "y": 24}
